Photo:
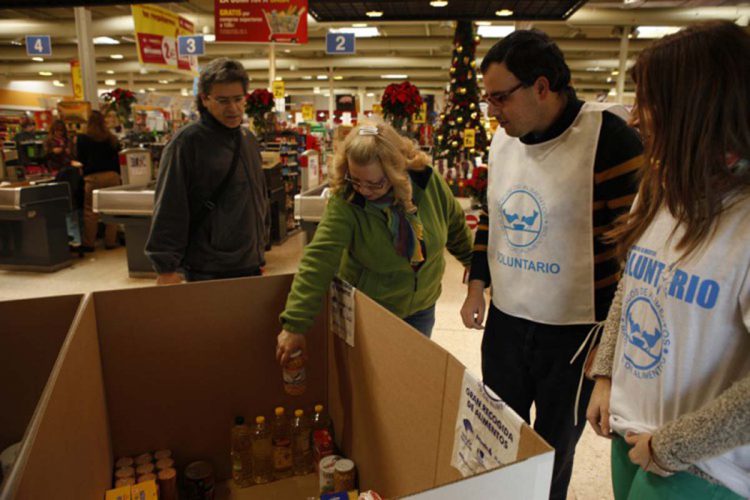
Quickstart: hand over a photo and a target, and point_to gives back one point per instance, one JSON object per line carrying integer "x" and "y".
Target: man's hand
{"x": 288, "y": 343}
{"x": 598, "y": 411}
{"x": 169, "y": 279}
{"x": 472, "y": 312}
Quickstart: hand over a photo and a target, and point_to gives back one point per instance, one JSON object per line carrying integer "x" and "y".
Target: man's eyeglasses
{"x": 370, "y": 186}
{"x": 226, "y": 101}
{"x": 501, "y": 97}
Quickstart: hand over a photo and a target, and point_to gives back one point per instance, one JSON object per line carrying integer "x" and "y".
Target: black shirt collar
{"x": 572, "y": 108}
{"x": 208, "y": 119}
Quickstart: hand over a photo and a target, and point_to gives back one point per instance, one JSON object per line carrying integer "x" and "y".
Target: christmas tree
{"x": 461, "y": 119}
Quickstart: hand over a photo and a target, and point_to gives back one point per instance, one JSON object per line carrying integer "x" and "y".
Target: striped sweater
{"x": 619, "y": 155}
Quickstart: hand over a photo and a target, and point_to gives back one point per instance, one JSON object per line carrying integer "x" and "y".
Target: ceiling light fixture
{"x": 151, "y": 89}
{"x": 338, "y": 77}
{"x": 374, "y": 13}
{"x": 45, "y": 73}
{"x": 110, "y": 72}
{"x": 484, "y": 23}
{"x": 37, "y": 59}
{"x": 307, "y": 77}
{"x": 394, "y": 76}
{"x": 439, "y": 3}
{"x": 656, "y": 31}
{"x": 164, "y": 82}
{"x": 210, "y": 38}
{"x": 615, "y": 73}
{"x": 279, "y": 79}
{"x": 504, "y": 13}
{"x": 359, "y": 25}
{"x": 111, "y": 83}
{"x": 371, "y": 94}
{"x": 495, "y": 31}
{"x": 58, "y": 83}
{"x": 117, "y": 56}
{"x": 365, "y": 32}
{"x": 105, "y": 40}
{"x": 322, "y": 77}
{"x": 184, "y": 92}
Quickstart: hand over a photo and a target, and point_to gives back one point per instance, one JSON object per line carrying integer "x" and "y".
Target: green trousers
{"x": 630, "y": 482}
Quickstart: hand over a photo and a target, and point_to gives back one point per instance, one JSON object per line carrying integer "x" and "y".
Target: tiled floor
{"x": 107, "y": 269}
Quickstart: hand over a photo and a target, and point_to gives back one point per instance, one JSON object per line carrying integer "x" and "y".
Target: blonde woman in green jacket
{"x": 385, "y": 228}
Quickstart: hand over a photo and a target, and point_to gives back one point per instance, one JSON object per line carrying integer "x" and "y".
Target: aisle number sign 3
{"x": 339, "y": 43}
{"x": 191, "y": 45}
{"x": 278, "y": 90}
{"x": 469, "y": 138}
{"x": 38, "y": 45}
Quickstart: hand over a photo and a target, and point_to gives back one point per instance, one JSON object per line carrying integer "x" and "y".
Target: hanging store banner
{"x": 260, "y": 21}
{"x": 76, "y": 79}
{"x": 278, "y": 90}
{"x": 156, "y": 33}
{"x": 377, "y": 109}
{"x": 308, "y": 112}
{"x": 421, "y": 115}
{"x": 470, "y": 136}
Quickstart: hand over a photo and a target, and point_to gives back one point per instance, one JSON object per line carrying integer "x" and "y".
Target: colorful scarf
{"x": 406, "y": 229}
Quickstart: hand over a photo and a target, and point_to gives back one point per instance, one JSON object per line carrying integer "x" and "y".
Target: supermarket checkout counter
{"x": 132, "y": 206}
{"x": 309, "y": 207}
{"x": 33, "y": 234}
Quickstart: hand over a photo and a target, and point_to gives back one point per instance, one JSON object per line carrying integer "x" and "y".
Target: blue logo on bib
{"x": 646, "y": 335}
{"x": 522, "y": 218}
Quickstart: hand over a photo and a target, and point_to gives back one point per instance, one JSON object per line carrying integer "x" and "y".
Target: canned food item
{"x": 199, "y": 481}
{"x": 326, "y": 466}
{"x": 295, "y": 378}
{"x": 168, "y": 484}
{"x": 146, "y": 477}
{"x": 124, "y": 472}
{"x": 343, "y": 475}
{"x": 144, "y": 458}
{"x": 161, "y": 454}
{"x": 144, "y": 469}
{"x": 127, "y": 481}
{"x": 164, "y": 463}
{"x": 124, "y": 462}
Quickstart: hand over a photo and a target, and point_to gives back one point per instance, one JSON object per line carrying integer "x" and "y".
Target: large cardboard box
{"x": 32, "y": 334}
{"x": 170, "y": 367}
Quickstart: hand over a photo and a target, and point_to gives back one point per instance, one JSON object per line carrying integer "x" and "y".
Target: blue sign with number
{"x": 339, "y": 43}
{"x": 190, "y": 45}
{"x": 38, "y": 45}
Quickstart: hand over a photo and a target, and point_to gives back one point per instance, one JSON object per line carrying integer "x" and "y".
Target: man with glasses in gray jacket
{"x": 211, "y": 202}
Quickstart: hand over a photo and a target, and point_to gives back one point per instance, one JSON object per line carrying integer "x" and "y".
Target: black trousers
{"x": 193, "y": 275}
{"x": 526, "y": 362}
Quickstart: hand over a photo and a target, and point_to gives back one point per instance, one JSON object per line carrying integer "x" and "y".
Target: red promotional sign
{"x": 472, "y": 221}
{"x": 261, "y": 21}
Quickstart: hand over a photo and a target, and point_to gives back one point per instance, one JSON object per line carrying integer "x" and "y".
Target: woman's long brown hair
{"x": 692, "y": 98}
{"x": 97, "y": 129}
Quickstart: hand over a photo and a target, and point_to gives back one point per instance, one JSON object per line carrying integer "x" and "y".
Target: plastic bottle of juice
{"x": 301, "y": 444}
{"x": 294, "y": 374}
{"x": 242, "y": 472}
{"x": 262, "y": 452}
{"x": 282, "y": 445}
{"x": 321, "y": 420}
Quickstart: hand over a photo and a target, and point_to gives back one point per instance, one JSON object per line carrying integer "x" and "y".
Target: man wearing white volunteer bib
{"x": 560, "y": 172}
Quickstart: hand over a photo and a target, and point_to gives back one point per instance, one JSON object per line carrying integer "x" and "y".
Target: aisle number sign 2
{"x": 469, "y": 138}
{"x": 339, "y": 43}
{"x": 191, "y": 45}
{"x": 38, "y": 45}
{"x": 278, "y": 90}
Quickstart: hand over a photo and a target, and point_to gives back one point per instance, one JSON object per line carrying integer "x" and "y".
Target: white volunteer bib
{"x": 540, "y": 198}
{"x": 682, "y": 338}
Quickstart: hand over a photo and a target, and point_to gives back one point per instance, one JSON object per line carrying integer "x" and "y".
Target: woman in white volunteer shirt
{"x": 673, "y": 368}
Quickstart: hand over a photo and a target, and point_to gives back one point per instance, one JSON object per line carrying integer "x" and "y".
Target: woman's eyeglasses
{"x": 371, "y": 186}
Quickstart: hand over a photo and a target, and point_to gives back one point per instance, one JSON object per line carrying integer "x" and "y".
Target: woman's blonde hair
{"x": 394, "y": 153}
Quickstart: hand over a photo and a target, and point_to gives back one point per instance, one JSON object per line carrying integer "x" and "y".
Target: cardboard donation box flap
{"x": 174, "y": 376}
{"x": 32, "y": 334}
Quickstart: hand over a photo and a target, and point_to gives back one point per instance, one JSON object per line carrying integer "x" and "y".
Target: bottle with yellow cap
{"x": 262, "y": 452}
{"x": 301, "y": 444}
{"x": 282, "y": 445}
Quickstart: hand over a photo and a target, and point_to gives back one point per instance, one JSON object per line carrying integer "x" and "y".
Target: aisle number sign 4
{"x": 278, "y": 90}
{"x": 191, "y": 45}
{"x": 339, "y": 43}
{"x": 469, "y": 138}
{"x": 38, "y": 45}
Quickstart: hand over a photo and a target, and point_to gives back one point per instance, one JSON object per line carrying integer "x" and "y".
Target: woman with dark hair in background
{"x": 61, "y": 163}
{"x": 97, "y": 150}
{"x": 673, "y": 367}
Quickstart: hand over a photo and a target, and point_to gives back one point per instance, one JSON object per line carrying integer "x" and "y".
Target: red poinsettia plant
{"x": 258, "y": 104}
{"x": 476, "y": 186}
{"x": 121, "y": 102}
{"x": 400, "y": 101}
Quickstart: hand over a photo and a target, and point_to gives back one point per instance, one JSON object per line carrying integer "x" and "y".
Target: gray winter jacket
{"x": 232, "y": 236}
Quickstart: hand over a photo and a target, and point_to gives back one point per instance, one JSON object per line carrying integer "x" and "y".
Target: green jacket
{"x": 353, "y": 240}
